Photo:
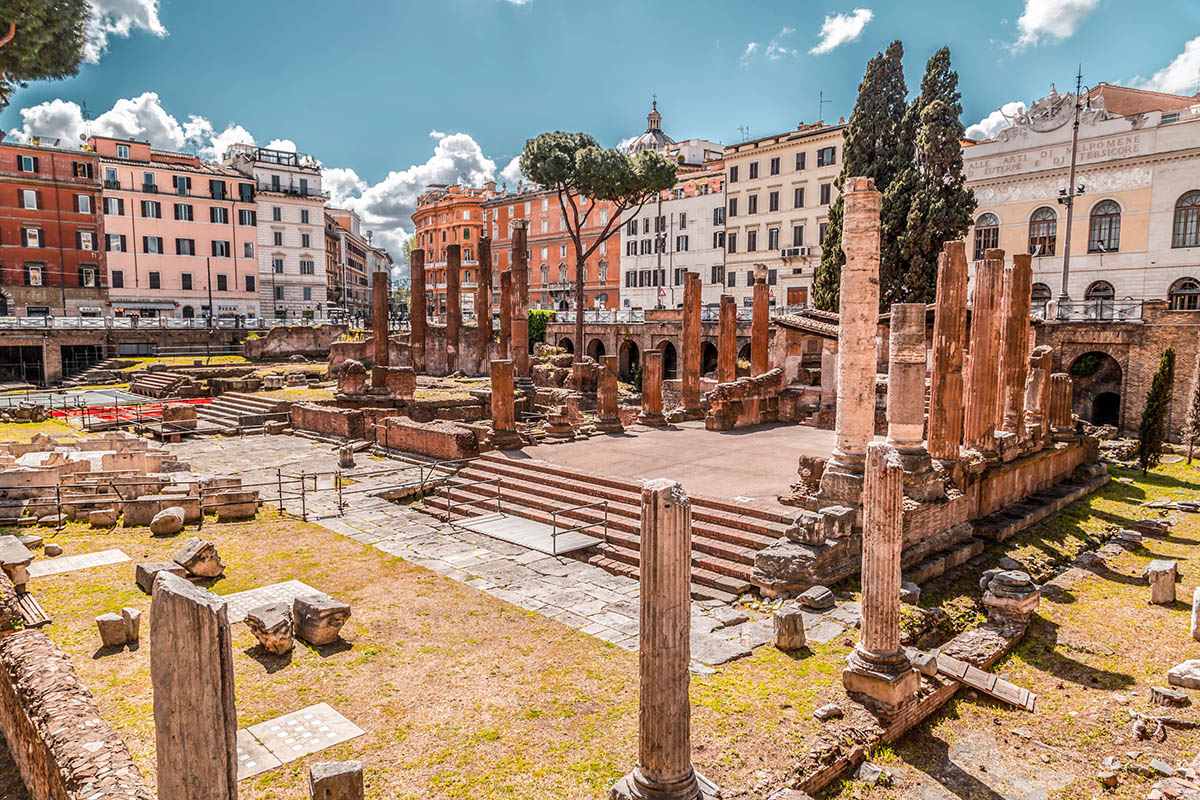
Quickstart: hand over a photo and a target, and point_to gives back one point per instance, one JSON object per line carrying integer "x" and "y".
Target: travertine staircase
{"x": 158, "y": 385}
{"x": 725, "y": 535}
{"x": 234, "y": 412}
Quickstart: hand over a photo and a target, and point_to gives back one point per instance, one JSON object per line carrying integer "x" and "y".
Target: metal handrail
{"x": 555, "y": 532}
{"x": 450, "y": 503}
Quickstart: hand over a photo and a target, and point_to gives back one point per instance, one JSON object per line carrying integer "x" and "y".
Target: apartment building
{"x": 354, "y": 293}
{"x": 180, "y": 234}
{"x": 291, "y": 229}
{"x": 50, "y": 228}
{"x": 447, "y": 215}
{"x": 778, "y": 191}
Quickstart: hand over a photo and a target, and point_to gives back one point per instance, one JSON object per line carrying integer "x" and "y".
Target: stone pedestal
{"x": 483, "y": 304}
{"x": 983, "y": 392}
{"x": 652, "y": 401}
{"x": 504, "y": 434}
{"x": 788, "y": 627}
{"x": 878, "y": 672}
{"x": 453, "y": 305}
{"x": 520, "y": 305}
{"x": 1061, "y": 392}
{"x": 418, "y": 307}
{"x": 727, "y": 340}
{"x": 336, "y": 780}
{"x": 608, "y": 418}
{"x": 906, "y": 401}
{"x": 859, "y": 312}
{"x": 1010, "y": 597}
{"x": 1161, "y": 575}
{"x": 319, "y": 618}
{"x": 559, "y": 425}
{"x": 1037, "y": 395}
{"x": 506, "y": 314}
{"x": 949, "y": 339}
{"x": 1014, "y": 362}
{"x": 191, "y": 671}
{"x": 380, "y": 283}
{"x": 664, "y": 770}
{"x": 689, "y": 377}
{"x": 760, "y": 322}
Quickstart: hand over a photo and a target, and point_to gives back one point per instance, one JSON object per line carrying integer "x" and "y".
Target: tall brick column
{"x": 760, "y": 323}
{"x": 418, "y": 307}
{"x": 664, "y": 770}
{"x": 859, "y": 317}
{"x": 1060, "y": 407}
{"x": 380, "y": 283}
{"x": 608, "y": 419}
{"x": 878, "y": 672}
{"x": 504, "y": 419}
{"x": 1014, "y": 361}
{"x": 652, "y": 399}
{"x": 906, "y": 401}
{"x": 506, "y": 314}
{"x": 983, "y": 372}
{"x": 453, "y": 305}
{"x": 727, "y": 341}
{"x": 1037, "y": 394}
{"x": 949, "y": 339}
{"x": 483, "y": 303}
{"x": 690, "y": 376}
{"x": 520, "y": 306}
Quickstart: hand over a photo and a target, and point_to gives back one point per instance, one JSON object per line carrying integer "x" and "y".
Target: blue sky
{"x": 389, "y": 95}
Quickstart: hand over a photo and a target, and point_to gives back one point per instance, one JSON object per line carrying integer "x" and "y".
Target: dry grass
{"x": 25, "y": 431}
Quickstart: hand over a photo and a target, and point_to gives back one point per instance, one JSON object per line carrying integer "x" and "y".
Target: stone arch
{"x": 8, "y": 308}
{"x": 565, "y": 343}
{"x": 595, "y": 349}
{"x": 743, "y": 352}
{"x": 708, "y": 358}
{"x": 670, "y": 360}
{"x": 629, "y": 358}
{"x": 1097, "y": 380}
{"x": 188, "y": 312}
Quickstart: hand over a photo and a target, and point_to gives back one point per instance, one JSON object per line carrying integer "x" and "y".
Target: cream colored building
{"x": 778, "y": 192}
{"x": 1136, "y": 227}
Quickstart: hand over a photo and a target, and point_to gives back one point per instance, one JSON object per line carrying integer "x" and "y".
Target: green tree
{"x": 875, "y": 147}
{"x": 1191, "y": 424}
{"x": 539, "y": 318}
{"x": 39, "y": 40}
{"x": 1153, "y": 430}
{"x": 928, "y": 204}
{"x": 574, "y": 166}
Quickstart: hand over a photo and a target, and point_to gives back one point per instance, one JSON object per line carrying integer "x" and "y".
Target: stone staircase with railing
{"x": 234, "y": 412}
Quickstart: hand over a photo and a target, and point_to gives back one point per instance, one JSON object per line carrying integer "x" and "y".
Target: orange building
{"x": 449, "y": 215}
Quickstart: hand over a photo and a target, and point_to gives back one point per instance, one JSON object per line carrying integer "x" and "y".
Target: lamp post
{"x": 1067, "y": 197}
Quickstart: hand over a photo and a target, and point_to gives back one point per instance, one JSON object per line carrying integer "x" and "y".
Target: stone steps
{"x": 158, "y": 385}
{"x": 241, "y": 413}
{"x": 938, "y": 563}
{"x": 1013, "y": 519}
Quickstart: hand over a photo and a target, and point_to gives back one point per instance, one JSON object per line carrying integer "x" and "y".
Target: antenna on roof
{"x": 744, "y": 130}
{"x": 821, "y": 101}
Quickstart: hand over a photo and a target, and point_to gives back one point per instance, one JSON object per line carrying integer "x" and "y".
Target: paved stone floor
{"x": 576, "y": 594}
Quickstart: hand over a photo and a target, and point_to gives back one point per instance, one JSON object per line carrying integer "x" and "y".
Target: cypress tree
{"x": 1191, "y": 425}
{"x": 874, "y": 148}
{"x": 1153, "y": 430}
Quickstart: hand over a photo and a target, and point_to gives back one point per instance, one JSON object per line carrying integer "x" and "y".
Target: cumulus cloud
{"x": 284, "y": 145}
{"x": 840, "y": 29}
{"x": 512, "y": 174}
{"x": 996, "y": 121}
{"x": 776, "y": 49}
{"x": 1178, "y": 77}
{"x": 109, "y": 18}
{"x": 1051, "y": 20}
{"x": 750, "y": 50}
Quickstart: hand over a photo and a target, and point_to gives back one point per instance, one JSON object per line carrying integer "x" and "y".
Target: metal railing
{"x": 626, "y": 316}
{"x": 1099, "y": 310}
{"x": 172, "y": 323}
{"x": 555, "y": 532}
{"x": 451, "y": 503}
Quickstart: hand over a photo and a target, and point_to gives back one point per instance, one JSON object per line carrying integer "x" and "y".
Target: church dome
{"x": 653, "y": 138}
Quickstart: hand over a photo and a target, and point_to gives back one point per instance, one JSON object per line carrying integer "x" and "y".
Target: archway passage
{"x": 708, "y": 358}
{"x": 1097, "y": 381}
{"x": 595, "y": 349}
{"x": 566, "y": 344}
{"x": 1106, "y": 409}
{"x": 188, "y": 312}
{"x": 670, "y": 361}
{"x": 629, "y": 358}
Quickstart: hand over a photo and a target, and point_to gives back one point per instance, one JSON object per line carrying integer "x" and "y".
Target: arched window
{"x": 1187, "y": 221}
{"x": 1043, "y": 231}
{"x": 1100, "y": 290}
{"x": 1104, "y": 232}
{"x": 603, "y": 277}
{"x": 545, "y": 274}
{"x": 1041, "y": 293}
{"x": 562, "y": 273}
{"x": 1185, "y": 295}
{"x": 987, "y": 234}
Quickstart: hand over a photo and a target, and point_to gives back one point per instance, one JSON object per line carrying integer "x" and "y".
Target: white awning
{"x": 140, "y": 304}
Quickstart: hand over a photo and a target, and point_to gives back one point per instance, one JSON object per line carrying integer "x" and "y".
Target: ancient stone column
{"x": 608, "y": 419}
{"x": 983, "y": 374}
{"x": 859, "y": 314}
{"x": 727, "y": 340}
{"x": 453, "y": 305}
{"x": 829, "y": 361}
{"x": 520, "y": 306}
{"x": 504, "y": 423}
{"x": 506, "y": 314}
{"x": 760, "y": 323}
{"x": 191, "y": 672}
{"x": 878, "y": 672}
{"x": 690, "y": 377}
{"x": 1037, "y": 393}
{"x": 418, "y": 306}
{"x": 652, "y": 399}
{"x": 664, "y": 770}
{"x": 949, "y": 339}
{"x": 906, "y": 401}
{"x": 483, "y": 303}
{"x": 380, "y": 283}
{"x": 1014, "y": 357}
{"x": 1060, "y": 406}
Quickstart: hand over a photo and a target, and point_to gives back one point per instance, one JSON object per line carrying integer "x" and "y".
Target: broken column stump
{"x": 200, "y": 558}
{"x": 608, "y": 417}
{"x": 1010, "y": 597}
{"x": 788, "y": 624}
{"x": 272, "y": 625}
{"x": 652, "y": 399}
{"x": 1161, "y": 575}
{"x": 503, "y": 435}
{"x": 319, "y": 618}
{"x": 336, "y": 780}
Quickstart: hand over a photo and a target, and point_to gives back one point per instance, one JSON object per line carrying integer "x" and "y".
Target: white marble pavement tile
{"x": 40, "y": 568}
{"x": 240, "y": 603}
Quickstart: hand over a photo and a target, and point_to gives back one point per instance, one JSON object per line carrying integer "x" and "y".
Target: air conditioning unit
{"x": 794, "y": 252}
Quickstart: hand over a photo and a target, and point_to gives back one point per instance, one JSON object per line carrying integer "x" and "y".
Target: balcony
{"x": 112, "y": 184}
{"x": 293, "y": 190}
{"x": 150, "y": 188}
{"x": 1099, "y": 311}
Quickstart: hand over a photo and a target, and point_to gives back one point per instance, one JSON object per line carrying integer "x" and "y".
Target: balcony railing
{"x": 100, "y": 323}
{"x": 296, "y": 191}
{"x": 626, "y": 316}
{"x": 1099, "y": 311}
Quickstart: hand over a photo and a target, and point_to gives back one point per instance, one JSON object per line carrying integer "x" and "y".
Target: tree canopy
{"x": 1153, "y": 430}
{"x": 46, "y": 44}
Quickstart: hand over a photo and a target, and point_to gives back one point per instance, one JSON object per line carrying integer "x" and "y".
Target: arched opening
{"x": 987, "y": 234}
{"x": 1043, "y": 231}
{"x": 744, "y": 352}
{"x": 708, "y": 358}
{"x": 1184, "y": 295}
{"x": 563, "y": 305}
{"x": 629, "y": 358}
{"x": 670, "y": 361}
{"x": 566, "y": 344}
{"x": 1097, "y": 382}
{"x": 595, "y": 349}
{"x": 188, "y": 312}
{"x": 1104, "y": 228}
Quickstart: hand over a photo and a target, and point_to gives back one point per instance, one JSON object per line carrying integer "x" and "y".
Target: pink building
{"x": 180, "y": 234}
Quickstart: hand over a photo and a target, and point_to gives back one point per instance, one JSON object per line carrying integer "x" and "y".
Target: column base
{"x": 505, "y": 440}
{"x": 635, "y": 786}
{"x": 609, "y": 425}
{"x": 884, "y": 684}
{"x": 692, "y": 414}
{"x": 842, "y": 481}
{"x": 653, "y": 420}
{"x": 561, "y": 432}
{"x": 921, "y": 481}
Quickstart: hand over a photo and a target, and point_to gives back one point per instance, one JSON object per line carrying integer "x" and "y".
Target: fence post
{"x": 58, "y": 505}
{"x": 279, "y": 481}
{"x": 341, "y": 506}
{"x": 303, "y": 504}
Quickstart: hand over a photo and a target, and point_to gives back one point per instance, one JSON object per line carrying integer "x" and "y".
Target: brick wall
{"x": 328, "y": 420}
{"x": 439, "y": 439}
{"x": 283, "y": 341}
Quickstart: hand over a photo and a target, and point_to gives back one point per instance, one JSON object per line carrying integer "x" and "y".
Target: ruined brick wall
{"x": 63, "y": 749}
{"x": 328, "y": 420}
{"x": 439, "y": 439}
{"x": 282, "y": 341}
{"x": 1006, "y": 484}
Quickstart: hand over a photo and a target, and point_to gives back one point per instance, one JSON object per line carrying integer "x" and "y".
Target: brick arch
{"x": 1086, "y": 390}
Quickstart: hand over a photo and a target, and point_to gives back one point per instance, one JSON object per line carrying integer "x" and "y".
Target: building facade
{"x": 291, "y": 229}
{"x": 682, "y": 231}
{"x": 180, "y": 234}
{"x": 1135, "y": 232}
{"x": 51, "y": 263}
{"x": 447, "y": 215}
{"x": 778, "y": 191}
{"x": 354, "y": 294}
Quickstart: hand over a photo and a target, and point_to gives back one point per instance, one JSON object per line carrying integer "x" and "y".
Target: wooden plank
{"x": 986, "y": 682}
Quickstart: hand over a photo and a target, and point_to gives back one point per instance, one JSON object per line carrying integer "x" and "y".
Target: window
{"x": 800, "y": 161}
{"x": 1100, "y": 290}
{"x": 1104, "y": 229}
{"x": 1043, "y": 231}
{"x": 155, "y": 280}
{"x": 216, "y": 189}
{"x": 732, "y": 278}
{"x": 114, "y": 206}
{"x": 753, "y": 170}
{"x": 1040, "y": 296}
{"x": 772, "y": 277}
{"x": 821, "y": 229}
{"x": 1187, "y": 221}
{"x": 631, "y": 248}
{"x": 34, "y": 274}
{"x": 183, "y": 184}
{"x": 219, "y": 215}
{"x": 305, "y": 240}
{"x": 749, "y": 277}
{"x": 719, "y": 215}
{"x": 717, "y": 275}
{"x": 987, "y": 234}
{"x": 122, "y": 151}
{"x": 85, "y": 240}
{"x": 83, "y": 169}
{"x": 246, "y": 192}
{"x": 185, "y": 247}
{"x": 545, "y": 274}
{"x": 602, "y": 267}
{"x": 630, "y": 279}
{"x": 151, "y": 209}
{"x": 185, "y": 281}
{"x": 773, "y": 201}
{"x": 681, "y": 244}
{"x": 248, "y": 249}
{"x": 87, "y": 277}
{"x": 27, "y": 163}
{"x": 115, "y": 242}
{"x": 775, "y": 165}
{"x": 116, "y": 278}
{"x": 631, "y": 227}
{"x": 731, "y": 244}
{"x": 276, "y": 214}
{"x": 545, "y": 203}
{"x": 278, "y": 292}
{"x": 246, "y": 216}
{"x": 31, "y": 237}
{"x": 733, "y": 174}
{"x": 733, "y": 204}
{"x": 148, "y": 184}
{"x": 29, "y": 198}
{"x": 752, "y": 204}
{"x": 797, "y": 236}
{"x": 679, "y": 273}
{"x": 682, "y": 220}
{"x": 308, "y": 267}
{"x": 307, "y": 292}
{"x": 183, "y": 211}
{"x": 222, "y": 282}
{"x": 1184, "y": 295}
{"x": 798, "y": 197}
{"x": 304, "y": 216}
{"x": 562, "y": 251}
{"x": 645, "y": 247}
{"x": 220, "y": 249}
{"x": 718, "y": 239}
{"x": 826, "y": 193}
{"x": 110, "y": 179}
{"x": 772, "y": 238}
{"x": 751, "y": 241}
{"x": 277, "y": 238}
{"x": 826, "y": 156}
{"x": 249, "y": 283}
{"x": 152, "y": 244}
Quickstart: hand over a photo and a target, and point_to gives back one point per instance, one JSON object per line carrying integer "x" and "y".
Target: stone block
{"x": 112, "y": 630}
{"x": 838, "y": 521}
{"x": 146, "y": 572}
{"x": 1196, "y": 613}
{"x": 167, "y": 522}
{"x": 1161, "y": 575}
{"x": 133, "y": 623}
{"x": 806, "y": 527}
{"x": 234, "y": 504}
{"x": 910, "y": 593}
{"x": 818, "y": 597}
{"x": 336, "y": 780}
{"x": 346, "y": 457}
{"x": 200, "y": 558}
{"x": 319, "y": 618}
{"x": 925, "y": 663}
{"x": 1185, "y": 674}
{"x": 271, "y": 624}
{"x": 53, "y": 549}
{"x": 789, "y": 627}
{"x": 1162, "y": 696}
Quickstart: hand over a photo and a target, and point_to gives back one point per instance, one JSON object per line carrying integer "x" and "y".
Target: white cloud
{"x": 342, "y": 183}
{"x": 118, "y": 18}
{"x": 750, "y": 50}
{"x": 1051, "y": 20}
{"x": 996, "y": 121}
{"x": 776, "y": 49}
{"x": 840, "y": 29}
{"x": 512, "y": 174}
{"x": 284, "y": 145}
{"x": 436, "y": 134}
{"x": 1181, "y": 76}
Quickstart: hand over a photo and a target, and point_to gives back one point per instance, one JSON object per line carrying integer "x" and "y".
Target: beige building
{"x": 1136, "y": 227}
{"x": 778, "y": 191}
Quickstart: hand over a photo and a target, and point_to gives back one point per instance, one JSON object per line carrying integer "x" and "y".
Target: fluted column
{"x": 760, "y": 324}
{"x": 906, "y": 400}
{"x": 504, "y": 419}
{"x": 380, "y": 283}
{"x": 608, "y": 418}
{"x": 520, "y": 305}
{"x": 949, "y": 339}
{"x": 483, "y": 303}
{"x": 983, "y": 373}
{"x": 859, "y": 315}
{"x": 1037, "y": 393}
{"x": 506, "y": 314}
{"x": 418, "y": 307}
{"x": 652, "y": 400}
{"x": 1060, "y": 406}
{"x": 727, "y": 340}
{"x": 1018, "y": 295}
{"x": 453, "y": 305}
{"x": 690, "y": 377}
